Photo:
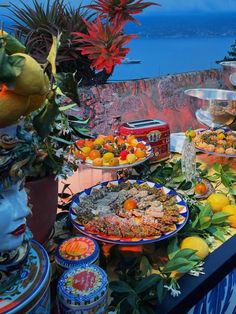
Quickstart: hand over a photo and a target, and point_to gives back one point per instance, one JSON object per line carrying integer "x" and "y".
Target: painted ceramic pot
{"x": 30, "y": 291}
{"x": 76, "y": 251}
{"x": 83, "y": 290}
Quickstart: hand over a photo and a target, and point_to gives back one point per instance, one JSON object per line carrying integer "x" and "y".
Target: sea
{"x": 175, "y": 43}
{"x": 170, "y": 44}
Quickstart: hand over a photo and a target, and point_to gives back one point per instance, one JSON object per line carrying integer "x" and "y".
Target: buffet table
{"x": 218, "y": 264}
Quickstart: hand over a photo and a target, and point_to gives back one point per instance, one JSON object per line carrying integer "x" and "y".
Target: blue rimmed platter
{"x": 181, "y": 204}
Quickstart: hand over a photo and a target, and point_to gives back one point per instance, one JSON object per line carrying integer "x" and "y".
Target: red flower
{"x": 104, "y": 43}
{"x": 121, "y": 9}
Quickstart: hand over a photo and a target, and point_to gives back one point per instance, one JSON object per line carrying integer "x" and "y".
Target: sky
{"x": 171, "y": 6}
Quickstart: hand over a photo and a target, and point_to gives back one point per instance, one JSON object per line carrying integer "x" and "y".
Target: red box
{"x": 154, "y": 132}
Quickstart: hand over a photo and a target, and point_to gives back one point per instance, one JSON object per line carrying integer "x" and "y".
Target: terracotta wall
{"x": 160, "y": 98}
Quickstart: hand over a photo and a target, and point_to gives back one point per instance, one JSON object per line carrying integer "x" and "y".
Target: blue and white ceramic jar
{"x": 83, "y": 290}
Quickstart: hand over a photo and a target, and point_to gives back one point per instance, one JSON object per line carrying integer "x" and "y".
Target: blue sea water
{"x": 169, "y": 44}
{"x": 162, "y": 56}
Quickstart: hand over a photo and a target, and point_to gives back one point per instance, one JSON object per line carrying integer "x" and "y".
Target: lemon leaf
{"x": 10, "y": 68}
{"x": 53, "y": 53}
{"x": 13, "y": 45}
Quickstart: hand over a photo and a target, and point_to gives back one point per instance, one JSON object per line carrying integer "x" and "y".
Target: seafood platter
{"x": 128, "y": 212}
{"x": 107, "y": 151}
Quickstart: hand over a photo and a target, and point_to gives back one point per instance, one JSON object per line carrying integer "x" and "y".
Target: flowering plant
{"x": 92, "y": 37}
{"x": 56, "y": 129}
{"x": 105, "y": 41}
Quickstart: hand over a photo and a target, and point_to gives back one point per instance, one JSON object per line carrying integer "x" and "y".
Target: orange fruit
{"x": 94, "y": 154}
{"x": 233, "y": 166}
{"x": 130, "y": 138}
{"x": 200, "y": 188}
{"x": 79, "y": 155}
{"x": 217, "y": 201}
{"x": 114, "y": 162}
{"x": 134, "y": 142}
{"x": 108, "y": 147}
{"x": 130, "y": 204}
{"x": 119, "y": 140}
{"x": 141, "y": 145}
{"x": 140, "y": 153}
{"x": 98, "y": 162}
{"x": 110, "y": 138}
{"x": 88, "y": 143}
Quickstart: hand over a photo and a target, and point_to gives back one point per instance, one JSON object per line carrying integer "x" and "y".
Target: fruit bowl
{"x": 108, "y": 152}
{"x": 216, "y": 107}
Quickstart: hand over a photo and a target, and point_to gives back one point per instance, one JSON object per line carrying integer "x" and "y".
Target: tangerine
{"x": 130, "y": 138}
{"x": 89, "y": 143}
{"x": 130, "y": 204}
{"x": 119, "y": 140}
{"x": 94, "y": 154}
{"x": 110, "y": 138}
{"x": 200, "y": 188}
{"x": 114, "y": 162}
{"x": 140, "y": 153}
{"x": 108, "y": 147}
{"x": 141, "y": 145}
{"x": 79, "y": 155}
{"x": 98, "y": 162}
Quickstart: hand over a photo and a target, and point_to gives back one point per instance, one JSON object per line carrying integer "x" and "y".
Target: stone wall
{"x": 157, "y": 98}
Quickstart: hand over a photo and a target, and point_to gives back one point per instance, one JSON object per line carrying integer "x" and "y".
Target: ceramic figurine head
{"x": 13, "y": 213}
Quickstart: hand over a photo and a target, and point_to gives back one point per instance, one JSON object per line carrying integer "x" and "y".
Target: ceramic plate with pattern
{"x": 178, "y": 205}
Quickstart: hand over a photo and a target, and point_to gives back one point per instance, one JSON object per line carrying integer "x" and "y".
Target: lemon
{"x": 190, "y": 133}
{"x": 196, "y": 243}
{"x": 86, "y": 150}
{"x": 99, "y": 141}
{"x": 107, "y": 157}
{"x": 35, "y": 102}
{"x": 12, "y": 107}
{"x": 32, "y": 80}
{"x": 217, "y": 201}
{"x": 231, "y": 209}
{"x": 131, "y": 158}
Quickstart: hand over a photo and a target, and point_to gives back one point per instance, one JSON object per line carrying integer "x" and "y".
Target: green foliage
{"x": 223, "y": 174}
{"x": 231, "y": 54}
{"x": 10, "y": 66}
{"x": 37, "y": 22}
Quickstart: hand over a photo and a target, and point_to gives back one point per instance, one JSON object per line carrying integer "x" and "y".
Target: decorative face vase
{"x": 13, "y": 213}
